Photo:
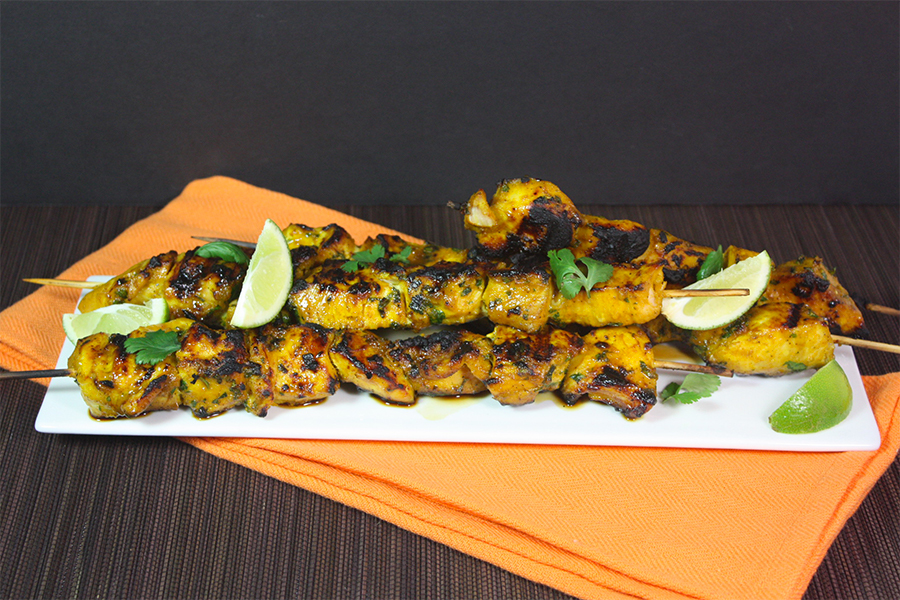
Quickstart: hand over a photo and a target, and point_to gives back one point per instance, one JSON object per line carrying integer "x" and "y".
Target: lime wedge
{"x": 116, "y": 318}
{"x": 268, "y": 280}
{"x": 715, "y": 311}
{"x": 823, "y": 401}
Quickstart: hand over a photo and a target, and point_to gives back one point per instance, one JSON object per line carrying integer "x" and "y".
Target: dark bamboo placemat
{"x": 87, "y": 516}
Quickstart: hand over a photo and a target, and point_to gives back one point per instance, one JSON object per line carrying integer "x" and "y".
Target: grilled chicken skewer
{"x": 212, "y": 371}
{"x": 411, "y": 286}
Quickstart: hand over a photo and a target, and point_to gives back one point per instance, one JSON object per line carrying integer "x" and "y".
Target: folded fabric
{"x": 594, "y": 522}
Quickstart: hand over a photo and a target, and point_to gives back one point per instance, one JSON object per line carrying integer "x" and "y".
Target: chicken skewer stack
{"x": 213, "y": 370}
{"x": 504, "y": 279}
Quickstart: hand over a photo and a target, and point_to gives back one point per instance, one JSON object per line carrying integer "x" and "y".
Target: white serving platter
{"x": 735, "y": 417}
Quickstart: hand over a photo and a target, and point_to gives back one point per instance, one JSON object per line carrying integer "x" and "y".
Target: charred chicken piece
{"x": 525, "y": 216}
{"x": 770, "y": 339}
{"x": 445, "y": 293}
{"x": 610, "y": 241}
{"x": 312, "y": 246}
{"x": 809, "y": 282}
{"x": 519, "y": 297}
{"x": 296, "y": 367}
{"x": 216, "y": 369}
{"x": 364, "y": 359}
{"x": 524, "y": 365}
{"x": 374, "y": 297}
{"x": 112, "y": 382}
{"x": 633, "y": 295}
{"x": 447, "y": 363}
{"x": 680, "y": 259}
{"x": 615, "y": 367}
{"x": 193, "y": 286}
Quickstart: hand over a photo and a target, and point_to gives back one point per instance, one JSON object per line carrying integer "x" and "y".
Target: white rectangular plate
{"x": 735, "y": 417}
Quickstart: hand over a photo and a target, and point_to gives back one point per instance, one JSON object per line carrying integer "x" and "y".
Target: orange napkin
{"x": 590, "y": 521}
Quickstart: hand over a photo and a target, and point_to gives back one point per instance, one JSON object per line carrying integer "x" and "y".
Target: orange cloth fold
{"x": 591, "y": 521}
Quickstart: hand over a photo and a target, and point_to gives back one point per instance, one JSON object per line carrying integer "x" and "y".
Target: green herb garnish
{"x": 402, "y": 256}
{"x": 694, "y": 387}
{"x": 712, "y": 264}
{"x": 795, "y": 366}
{"x": 570, "y": 279}
{"x": 153, "y": 347}
{"x": 363, "y": 256}
{"x": 223, "y": 250}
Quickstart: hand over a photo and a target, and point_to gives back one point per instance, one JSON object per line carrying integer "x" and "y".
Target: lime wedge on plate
{"x": 823, "y": 402}
{"x": 268, "y": 280}
{"x": 117, "y": 318}
{"x": 709, "y": 312}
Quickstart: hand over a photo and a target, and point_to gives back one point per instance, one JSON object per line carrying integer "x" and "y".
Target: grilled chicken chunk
{"x": 296, "y": 366}
{"x": 631, "y": 296}
{"x": 217, "y": 372}
{"x": 519, "y": 297}
{"x": 375, "y": 297}
{"x": 809, "y": 282}
{"x": 770, "y": 340}
{"x": 524, "y": 365}
{"x": 312, "y": 246}
{"x": 447, "y": 363}
{"x": 364, "y": 359}
{"x": 524, "y": 216}
{"x": 610, "y": 241}
{"x": 113, "y": 384}
{"x": 615, "y": 367}
{"x": 193, "y": 286}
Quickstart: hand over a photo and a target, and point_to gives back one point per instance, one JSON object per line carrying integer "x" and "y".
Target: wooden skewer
{"x": 666, "y": 293}
{"x": 887, "y": 310}
{"x": 848, "y": 341}
{"x": 240, "y": 243}
{"x": 670, "y": 365}
{"x": 705, "y": 293}
{"x": 64, "y": 283}
{"x": 33, "y": 374}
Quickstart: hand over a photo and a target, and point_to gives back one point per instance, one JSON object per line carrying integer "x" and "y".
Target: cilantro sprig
{"x": 694, "y": 387}
{"x": 154, "y": 347}
{"x": 373, "y": 254}
{"x": 569, "y": 277}
{"x": 223, "y": 250}
{"x": 712, "y": 264}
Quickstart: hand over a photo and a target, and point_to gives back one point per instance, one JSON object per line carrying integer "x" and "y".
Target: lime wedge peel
{"x": 821, "y": 403}
{"x": 268, "y": 281}
{"x": 716, "y": 311}
{"x": 116, "y": 318}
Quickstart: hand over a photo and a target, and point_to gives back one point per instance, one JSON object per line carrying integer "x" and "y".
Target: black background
{"x": 371, "y": 103}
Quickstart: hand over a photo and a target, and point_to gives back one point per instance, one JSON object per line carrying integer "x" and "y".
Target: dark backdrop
{"x": 126, "y": 102}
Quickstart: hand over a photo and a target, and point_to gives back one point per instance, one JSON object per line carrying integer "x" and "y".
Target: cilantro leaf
{"x": 795, "y": 366}
{"x": 712, "y": 264}
{"x": 570, "y": 279}
{"x": 153, "y": 347}
{"x": 363, "y": 256}
{"x": 223, "y": 250}
{"x": 694, "y": 387}
{"x": 403, "y": 255}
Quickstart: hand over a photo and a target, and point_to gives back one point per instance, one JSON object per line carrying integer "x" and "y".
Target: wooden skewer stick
{"x": 705, "y": 293}
{"x": 666, "y": 293}
{"x": 670, "y": 365}
{"x": 33, "y": 374}
{"x": 64, "y": 283}
{"x": 887, "y": 310}
{"x": 240, "y": 243}
{"x": 848, "y": 341}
